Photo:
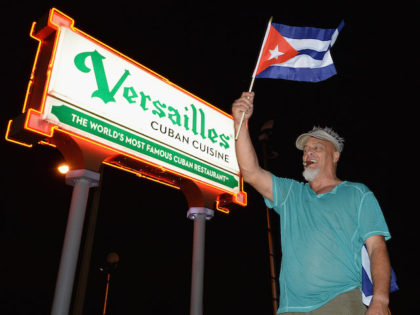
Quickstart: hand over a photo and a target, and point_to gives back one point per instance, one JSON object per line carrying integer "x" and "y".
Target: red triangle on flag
{"x": 276, "y": 50}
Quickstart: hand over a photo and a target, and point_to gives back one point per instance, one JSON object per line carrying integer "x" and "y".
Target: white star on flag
{"x": 275, "y": 53}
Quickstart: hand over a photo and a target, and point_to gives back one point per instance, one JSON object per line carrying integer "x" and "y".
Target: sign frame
{"x": 37, "y": 129}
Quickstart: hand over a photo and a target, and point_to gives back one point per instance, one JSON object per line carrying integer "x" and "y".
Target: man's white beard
{"x": 309, "y": 174}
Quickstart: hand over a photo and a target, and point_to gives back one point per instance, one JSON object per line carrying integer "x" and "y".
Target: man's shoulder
{"x": 355, "y": 187}
{"x": 287, "y": 181}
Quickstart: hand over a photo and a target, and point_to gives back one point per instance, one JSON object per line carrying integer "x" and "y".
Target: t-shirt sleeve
{"x": 281, "y": 190}
{"x": 371, "y": 218}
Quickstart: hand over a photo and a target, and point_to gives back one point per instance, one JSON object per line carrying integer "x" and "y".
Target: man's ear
{"x": 336, "y": 156}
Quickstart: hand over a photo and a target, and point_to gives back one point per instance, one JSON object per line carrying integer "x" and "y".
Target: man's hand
{"x": 243, "y": 106}
{"x": 378, "y": 307}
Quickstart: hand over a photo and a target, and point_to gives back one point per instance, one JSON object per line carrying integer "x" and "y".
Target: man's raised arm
{"x": 251, "y": 171}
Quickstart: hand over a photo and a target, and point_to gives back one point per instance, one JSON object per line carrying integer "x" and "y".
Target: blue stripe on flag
{"x": 394, "y": 286}
{"x": 367, "y": 286}
{"x": 318, "y": 55}
{"x": 299, "y": 74}
{"x": 304, "y": 32}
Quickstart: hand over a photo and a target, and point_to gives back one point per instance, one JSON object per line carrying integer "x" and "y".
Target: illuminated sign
{"x": 103, "y": 96}
{"x": 97, "y": 93}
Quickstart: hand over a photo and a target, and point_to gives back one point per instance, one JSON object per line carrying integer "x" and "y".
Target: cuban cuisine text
{"x": 185, "y": 124}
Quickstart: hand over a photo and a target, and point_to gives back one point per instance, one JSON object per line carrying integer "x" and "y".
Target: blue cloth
{"x": 322, "y": 237}
{"x": 367, "y": 285}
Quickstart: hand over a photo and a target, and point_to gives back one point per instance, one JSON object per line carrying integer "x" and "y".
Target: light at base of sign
{"x": 63, "y": 168}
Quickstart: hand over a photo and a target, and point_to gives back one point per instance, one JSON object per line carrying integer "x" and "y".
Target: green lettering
{"x": 224, "y": 143}
{"x": 103, "y": 92}
{"x": 194, "y": 119}
{"x": 129, "y": 94}
{"x": 143, "y": 100}
{"x": 174, "y": 116}
{"x": 212, "y": 134}
{"x": 186, "y": 120}
{"x": 159, "y": 109}
{"x": 203, "y": 124}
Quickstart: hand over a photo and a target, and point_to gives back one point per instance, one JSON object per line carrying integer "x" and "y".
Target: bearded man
{"x": 324, "y": 225}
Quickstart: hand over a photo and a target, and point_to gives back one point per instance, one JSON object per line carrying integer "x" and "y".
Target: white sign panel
{"x": 102, "y": 95}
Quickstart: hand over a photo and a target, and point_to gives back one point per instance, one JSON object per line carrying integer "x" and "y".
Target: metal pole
{"x": 275, "y": 298}
{"x": 112, "y": 260}
{"x": 108, "y": 278}
{"x": 81, "y": 282}
{"x": 273, "y": 277}
{"x": 199, "y": 215}
{"x": 266, "y": 131}
{"x": 81, "y": 180}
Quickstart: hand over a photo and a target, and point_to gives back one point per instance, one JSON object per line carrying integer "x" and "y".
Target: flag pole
{"x": 243, "y": 113}
{"x": 253, "y": 77}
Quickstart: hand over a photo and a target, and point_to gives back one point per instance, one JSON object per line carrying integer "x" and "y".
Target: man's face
{"x": 319, "y": 154}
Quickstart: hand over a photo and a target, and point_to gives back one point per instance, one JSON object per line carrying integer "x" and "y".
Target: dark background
{"x": 210, "y": 49}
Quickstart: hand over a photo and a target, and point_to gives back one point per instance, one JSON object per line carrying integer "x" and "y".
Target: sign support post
{"x": 199, "y": 215}
{"x": 81, "y": 180}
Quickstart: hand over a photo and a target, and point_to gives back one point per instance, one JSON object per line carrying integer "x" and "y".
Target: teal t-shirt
{"x": 322, "y": 237}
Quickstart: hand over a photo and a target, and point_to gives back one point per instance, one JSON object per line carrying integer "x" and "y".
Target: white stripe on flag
{"x": 366, "y": 266}
{"x": 305, "y": 61}
{"x": 314, "y": 44}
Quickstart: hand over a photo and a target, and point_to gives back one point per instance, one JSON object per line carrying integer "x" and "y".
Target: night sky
{"x": 210, "y": 50}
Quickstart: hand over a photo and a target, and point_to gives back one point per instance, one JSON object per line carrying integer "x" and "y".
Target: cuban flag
{"x": 296, "y": 53}
{"x": 367, "y": 286}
